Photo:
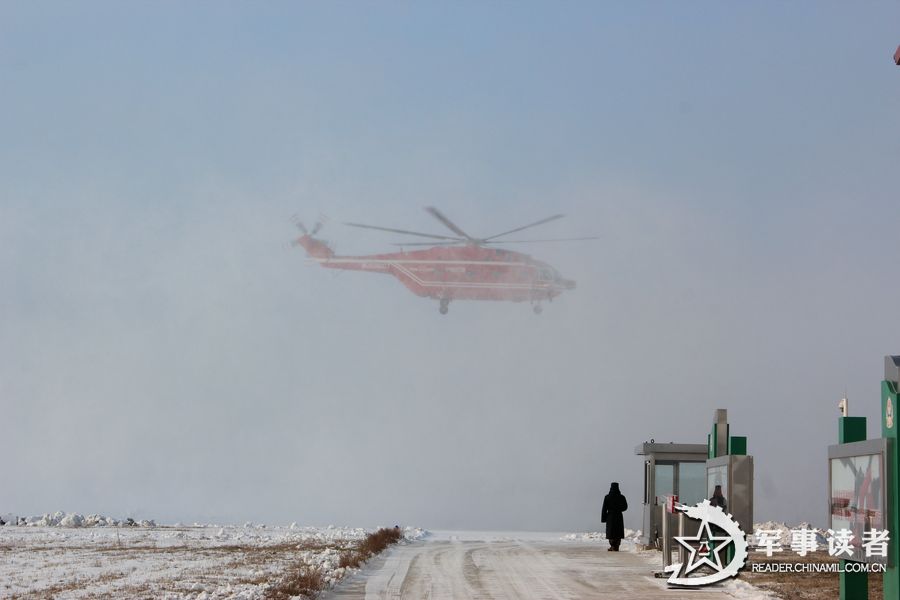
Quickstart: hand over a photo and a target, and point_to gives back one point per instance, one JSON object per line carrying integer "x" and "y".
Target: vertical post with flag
{"x": 853, "y": 585}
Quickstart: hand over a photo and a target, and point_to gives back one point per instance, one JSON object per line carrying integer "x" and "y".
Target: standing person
{"x": 614, "y": 504}
{"x": 718, "y": 498}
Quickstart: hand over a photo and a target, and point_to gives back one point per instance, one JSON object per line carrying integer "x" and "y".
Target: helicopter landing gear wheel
{"x": 538, "y": 309}
{"x": 445, "y": 306}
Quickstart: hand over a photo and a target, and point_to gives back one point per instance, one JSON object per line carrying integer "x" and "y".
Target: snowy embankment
{"x": 71, "y": 556}
{"x": 61, "y": 519}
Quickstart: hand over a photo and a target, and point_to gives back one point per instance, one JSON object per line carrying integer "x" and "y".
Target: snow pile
{"x": 250, "y": 531}
{"x": 593, "y": 536}
{"x": 327, "y": 562}
{"x": 412, "y": 534}
{"x": 62, "y": 519}
{"x": 783, "y": 532}
{"x": 745, "y": 591}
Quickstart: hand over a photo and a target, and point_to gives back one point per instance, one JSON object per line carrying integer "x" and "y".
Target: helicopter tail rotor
{"x": 299, "y": 225}
{"x": 315, "y": 248}
{"x": 315, "y": 229}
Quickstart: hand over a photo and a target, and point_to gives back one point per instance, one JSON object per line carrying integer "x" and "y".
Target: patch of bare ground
{"x": 71, "y": 585}
{"x": 303, "y": 579}
{"x": 142, "y": 590}
{"x": 802, "y": 586}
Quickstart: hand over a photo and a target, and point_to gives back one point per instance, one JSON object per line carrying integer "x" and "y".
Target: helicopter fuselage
{"x": 469, "y": 272}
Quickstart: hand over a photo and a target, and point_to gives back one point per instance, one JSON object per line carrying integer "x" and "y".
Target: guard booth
{"x": 669, "y": 470}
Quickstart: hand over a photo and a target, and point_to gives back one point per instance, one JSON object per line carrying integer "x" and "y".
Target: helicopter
{"x": 457, "y": 267}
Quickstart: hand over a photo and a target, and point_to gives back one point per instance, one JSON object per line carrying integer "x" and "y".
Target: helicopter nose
{"x": 569, "y": 284}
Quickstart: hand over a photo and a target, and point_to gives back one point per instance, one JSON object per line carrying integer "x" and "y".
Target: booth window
{"x": 665, "y": 482}
{"x": 691, "y": 482}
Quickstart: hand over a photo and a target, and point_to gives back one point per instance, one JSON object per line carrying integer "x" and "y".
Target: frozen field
{"x": 196, "y": 562}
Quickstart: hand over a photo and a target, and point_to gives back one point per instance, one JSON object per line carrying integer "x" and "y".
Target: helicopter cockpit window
{"x": 546, "y": 274}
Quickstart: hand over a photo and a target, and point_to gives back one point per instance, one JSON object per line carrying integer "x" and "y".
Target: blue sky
{"x": 164, "y": 354}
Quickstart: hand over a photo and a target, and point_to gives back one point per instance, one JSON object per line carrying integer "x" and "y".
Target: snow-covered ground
{"x": 62, "y": 557}
{"x": 74, "y": 556}
{"x": 518, "y": 566}
{"x": 736, "y": 588}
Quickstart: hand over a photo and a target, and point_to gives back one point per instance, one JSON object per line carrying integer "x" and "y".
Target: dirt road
{"x": 511, "y": 567}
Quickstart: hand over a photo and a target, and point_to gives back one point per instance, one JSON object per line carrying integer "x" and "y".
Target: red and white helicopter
{"x": 458, "y": 267}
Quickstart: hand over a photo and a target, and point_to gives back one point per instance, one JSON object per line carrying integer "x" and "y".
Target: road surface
{"x": 510, "y": 566}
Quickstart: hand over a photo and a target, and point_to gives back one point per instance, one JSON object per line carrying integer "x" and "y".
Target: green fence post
{"x": 854, "y": 586}
{"x": 889, "y": 419}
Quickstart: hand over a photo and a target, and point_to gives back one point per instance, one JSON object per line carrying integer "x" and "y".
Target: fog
{"x": 165, "y": 354}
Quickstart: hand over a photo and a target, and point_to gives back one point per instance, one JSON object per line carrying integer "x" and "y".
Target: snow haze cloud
{"x": 164, "y": 354}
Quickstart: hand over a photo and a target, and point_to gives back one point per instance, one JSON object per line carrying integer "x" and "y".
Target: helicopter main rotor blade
{"x": 447, "y": 222}
{"x": 403, "y": 231}
{"x": 574, "y": 239}
{"x": 535, "y": 224}
{"x": 460, "y": 242}
{"x": 480, "y": 243}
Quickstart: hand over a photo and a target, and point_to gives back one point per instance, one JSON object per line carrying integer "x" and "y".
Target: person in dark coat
{"x": 614, "y": 504}
{"x": 718, "y": 499}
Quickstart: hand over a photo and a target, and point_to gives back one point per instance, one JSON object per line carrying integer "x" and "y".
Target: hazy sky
{"x": 164, "y": 354}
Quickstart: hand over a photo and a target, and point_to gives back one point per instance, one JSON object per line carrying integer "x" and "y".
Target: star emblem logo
{"x": 705, "y": 545}
{"x": 716, "y": 531}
